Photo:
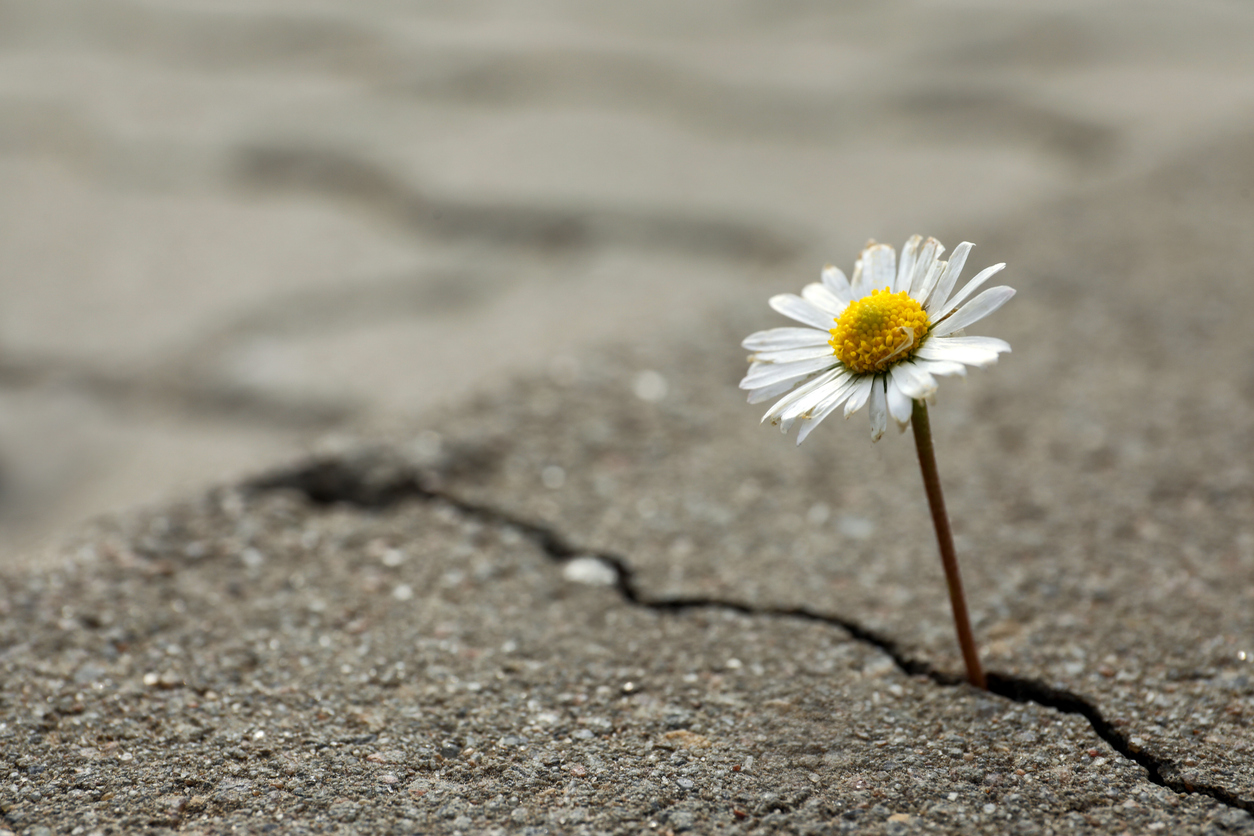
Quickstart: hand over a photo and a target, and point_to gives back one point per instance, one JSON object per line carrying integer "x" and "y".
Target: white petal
{"x": 913, "y": 380}
{"x": 833, "y": 383}
{"x": 899, "y": 404}
{"x": 794, "y": 307}
{"x": 820, "y": 383}
{"x": 992, "y": 344}
{"x": 957, "y": 260}
{"x": 905, "y": 268}
{"x": 837, "y": 283}
{"x": 824, "y": 409}
{"x": 858, "y": 282}
{"x": 944, "y": 368}
{"x": 879, "y": 267}
{"x": 859, "y": 395}
{"x": 926, "y": 284}
{"x": 941, "y": 308}
{"x": 791, "y": 355}
{"x": 765, "y": 393}
{"x": 878, "y": 409}
{"x": 975, "y": 310}
{"x": 937, "y": 294}
{"x": 940, "y": 293}
{"x": 818, "y": 408}
{"x": 973, "y": 351}
{"x": 768, "y": 374}
{"x": 928, "y": 256}
{"x": 938, "y": 352}
{"x": 822, "y": 298}
{"x": 781, "y": 338}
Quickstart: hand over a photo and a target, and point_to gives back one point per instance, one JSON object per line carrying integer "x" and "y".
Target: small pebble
{"x": 591, "y": 571}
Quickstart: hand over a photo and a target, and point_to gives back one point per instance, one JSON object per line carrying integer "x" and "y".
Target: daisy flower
{"x": 880, "y": 340}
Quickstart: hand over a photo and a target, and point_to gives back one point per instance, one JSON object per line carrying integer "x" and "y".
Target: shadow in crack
{"x": 375, "y": 481}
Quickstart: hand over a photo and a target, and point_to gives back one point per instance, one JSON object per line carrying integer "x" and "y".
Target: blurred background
{"x": 231, "y": 229}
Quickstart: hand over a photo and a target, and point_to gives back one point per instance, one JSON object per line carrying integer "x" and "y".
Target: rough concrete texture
{"x": 249, "y": 663}
{"x": 229, "y": 228}
{"x": 605, "y": 600}
{"x": 601, "y": 598}
{"x": 1100, "y": 484}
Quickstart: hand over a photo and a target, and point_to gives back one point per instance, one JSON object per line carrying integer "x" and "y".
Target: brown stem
{"x": 945, "y": 538}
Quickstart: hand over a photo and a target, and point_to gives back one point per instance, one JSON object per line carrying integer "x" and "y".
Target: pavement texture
{"x": 603, "y": 599}
{"x": 257, "y": 663}
{"x": 227, "y": 230}
{"x": 544, "y": 572}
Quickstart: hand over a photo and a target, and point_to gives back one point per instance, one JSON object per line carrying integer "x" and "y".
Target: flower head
{"x": 879, "y": 340}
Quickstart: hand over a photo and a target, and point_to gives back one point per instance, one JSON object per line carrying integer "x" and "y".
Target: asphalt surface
{"x": 394, "y": 661}
{"x": 604, "y": 599}
{"x": 544, "y": 572}
{"x": 229, "y": 230}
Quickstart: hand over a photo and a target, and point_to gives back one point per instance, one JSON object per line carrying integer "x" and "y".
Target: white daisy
{"x": 880, "y": 340}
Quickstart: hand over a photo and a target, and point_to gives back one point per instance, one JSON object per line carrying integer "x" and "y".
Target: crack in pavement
{"x": 330, "y": 481}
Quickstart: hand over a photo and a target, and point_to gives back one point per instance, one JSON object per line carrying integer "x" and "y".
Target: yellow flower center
{"x": 878, "y": 330}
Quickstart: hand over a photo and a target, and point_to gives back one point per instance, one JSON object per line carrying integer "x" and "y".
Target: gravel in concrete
{"x": 1099, "y": 478}
{"x": 258, "y": 664}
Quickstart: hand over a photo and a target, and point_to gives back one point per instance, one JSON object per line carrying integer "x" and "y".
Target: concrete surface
{"x": 249, "y": 663}
{"x": 228, "y": 229}
{"x": 604, "y": 599}
{"x": 1099, "y": 480}
{"x": 546, "y": 573}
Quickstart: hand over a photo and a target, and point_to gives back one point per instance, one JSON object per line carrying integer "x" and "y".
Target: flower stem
{"x": 945, "y": 538}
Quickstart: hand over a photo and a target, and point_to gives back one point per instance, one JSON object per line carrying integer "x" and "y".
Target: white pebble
{"x": 591, "y": 571}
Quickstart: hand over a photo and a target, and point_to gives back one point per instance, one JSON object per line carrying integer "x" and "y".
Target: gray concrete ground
{"x": 587, "y": 602}
{"x": 229, "y": 229}
{"x": 547, "y": 574}
{"x": 1101, "y": 485}
{"x": 258, "y": 665}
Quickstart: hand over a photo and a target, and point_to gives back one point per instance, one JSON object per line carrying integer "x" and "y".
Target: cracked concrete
{"x": 596, "y": 597}
{"x": 375, "y": 480}
{"x": 1095, "y": 482}
{"x": 226, "y": 231}
{"x": 250, "y": 659}
{"x": 382, "y": 637}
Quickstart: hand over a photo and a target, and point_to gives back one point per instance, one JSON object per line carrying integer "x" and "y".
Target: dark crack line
{"x": 336, "y": 481}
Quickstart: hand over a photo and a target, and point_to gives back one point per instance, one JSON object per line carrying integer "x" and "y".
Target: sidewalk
{"x": 226, "y": 232}
{"x": 260, "y": 665}
{"x": 408, "y": 343}
{"x": 566, "y": 607}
